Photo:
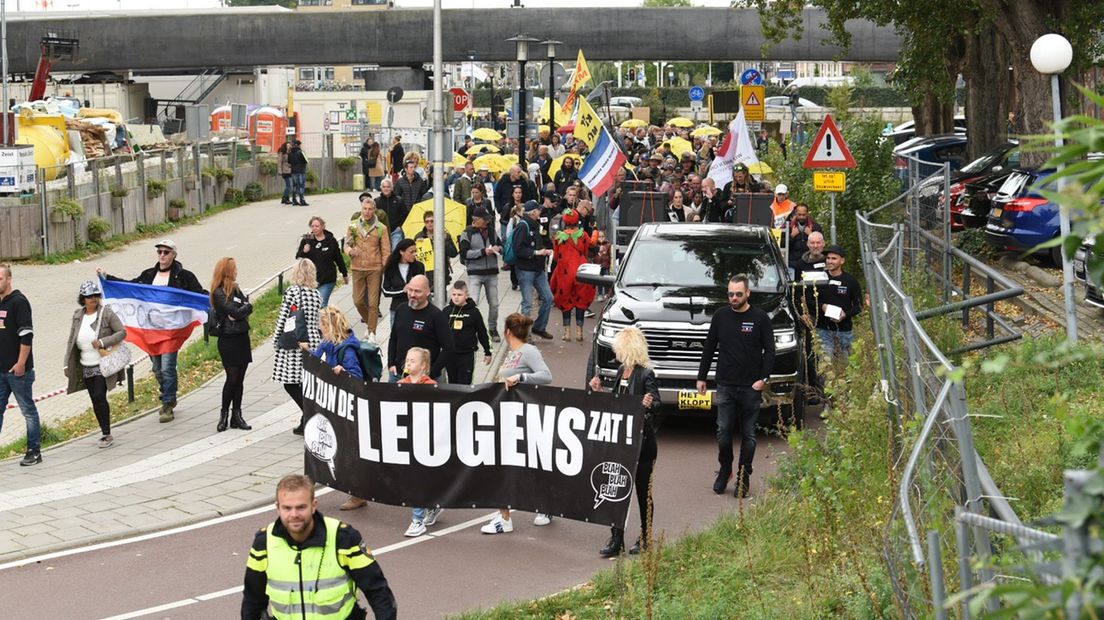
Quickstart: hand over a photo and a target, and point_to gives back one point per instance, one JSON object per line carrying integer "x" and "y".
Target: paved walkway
{"x": 261, "y": 236}
{"x": 159, "y": 476}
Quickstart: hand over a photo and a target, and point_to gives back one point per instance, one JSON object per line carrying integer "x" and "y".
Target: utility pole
{"x": 440, "y": 259}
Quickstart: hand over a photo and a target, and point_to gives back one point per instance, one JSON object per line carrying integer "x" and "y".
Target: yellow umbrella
{"x": 633, "y": 123}
{"x": 479, "y": 149}
{"x": 456, "y": 216}
{"x": 557, "y": 163}
{"x": 458, "y": 160}
{"x": 705, "y": 130}
{"x": 486, "y": 133}
{"x": 679, "y": 146}
{"x": 680, "y": 121}
{"x": 760, "y": 168}
{"x": 510, "y": 157}
{"x": 544, "y": 129}
{"x": 497, "y": 164}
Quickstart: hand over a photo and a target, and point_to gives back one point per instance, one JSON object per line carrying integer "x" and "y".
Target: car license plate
{"x": 997, "y": 212}
{"x": 691, "y": 399}
{"x": 1078, "y": 266}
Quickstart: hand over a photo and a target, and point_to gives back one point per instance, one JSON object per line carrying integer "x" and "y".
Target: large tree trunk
{"x": 933, "y": 116}
{"x": 1019, "y": 23}
{"x": 985, "y": 69}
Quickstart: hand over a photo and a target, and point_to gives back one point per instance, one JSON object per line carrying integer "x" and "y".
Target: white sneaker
{"x": 542, "y": 519}
{"x": 431, "y": 516}
{"x": 498, "y": 525}
{"x": 417, "y": 528}
{"x": 370, "y": 337}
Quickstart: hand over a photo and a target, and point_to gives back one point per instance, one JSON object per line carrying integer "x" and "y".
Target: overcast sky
{"x": 93, "y": 5}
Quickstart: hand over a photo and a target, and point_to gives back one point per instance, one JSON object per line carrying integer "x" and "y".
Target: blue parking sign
{"x": 751, "y": 77}
{"x": 697, "y": 93}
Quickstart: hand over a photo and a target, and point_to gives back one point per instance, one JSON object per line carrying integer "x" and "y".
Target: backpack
{"x": 508, "y": 254}
{"x": 369, "y": 357}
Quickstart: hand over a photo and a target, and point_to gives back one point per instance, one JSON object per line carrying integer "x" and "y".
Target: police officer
{"x": 743, "y": 338}
{"x": 305, "y": 565}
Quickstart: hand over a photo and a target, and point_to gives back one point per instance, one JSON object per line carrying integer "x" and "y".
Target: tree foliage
{"x": 291, "y": 4}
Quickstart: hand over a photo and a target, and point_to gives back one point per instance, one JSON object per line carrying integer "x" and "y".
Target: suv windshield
{"x": 700, "y": 263}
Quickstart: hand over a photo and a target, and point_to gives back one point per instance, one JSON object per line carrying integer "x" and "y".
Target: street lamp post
{"x": 521, "y": 106}
{"x": 438, "y": 141}
{"x": 1051, "y": 54}
{"x": 551, "y": 43}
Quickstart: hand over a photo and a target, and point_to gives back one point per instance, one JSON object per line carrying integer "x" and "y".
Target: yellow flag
{"x": 582, "y": 76}
{"x": 544, "y": 111}
{"x": 588, "y": 126}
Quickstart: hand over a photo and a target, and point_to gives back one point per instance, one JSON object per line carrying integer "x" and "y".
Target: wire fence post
{"x": 947, "y": 288}
{"x": 130, "y": 382}
{"x": 935, "y": 572}
{"x": 42, "y": 199}
{"x": 280, "y": 283}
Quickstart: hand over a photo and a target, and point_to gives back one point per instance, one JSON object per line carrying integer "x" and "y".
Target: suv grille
{"x": 675, "y": 348}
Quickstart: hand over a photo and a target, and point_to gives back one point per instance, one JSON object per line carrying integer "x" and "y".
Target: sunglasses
{"x": 736, "y": 294}
{"x": 164, "y": 252}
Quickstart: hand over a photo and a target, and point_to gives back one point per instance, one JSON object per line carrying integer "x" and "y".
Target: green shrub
{"x": 344, "y": 163}
{"x": 70, "y": 207}
{"x": 312, "y": 178}
{"x": 269, "y": 167}
{"x": 234, "y": 195}
{"x": 119, "y": 191}
{"x": 177, "y": 203}
{"x": 155, "y": 188}
{"x": 972, "y": 241}
{"x": 224, "y": 174}
{"x": 98, "y": 229}
{"x": 210, "y": 172}
{"x": 254, "y": 192}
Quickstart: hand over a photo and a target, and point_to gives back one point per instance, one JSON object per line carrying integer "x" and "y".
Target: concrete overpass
{"x": 186, "y": 41}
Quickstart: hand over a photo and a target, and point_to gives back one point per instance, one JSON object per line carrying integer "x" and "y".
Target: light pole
{"x": 551, "y": 86}
{"x": 1051, "y": 54}
{"x": 521, "y": 106}
{"x": 438, "y": 150}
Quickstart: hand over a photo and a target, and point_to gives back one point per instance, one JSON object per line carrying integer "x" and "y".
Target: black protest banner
{"x": 542, "y": 449}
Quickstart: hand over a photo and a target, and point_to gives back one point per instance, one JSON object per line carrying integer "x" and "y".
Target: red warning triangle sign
{"x": 752, "y": 100}
{"x": 828, "y": 149}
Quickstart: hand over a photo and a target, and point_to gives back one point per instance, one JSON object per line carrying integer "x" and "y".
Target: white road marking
{"x": 210, "y": 596}
{"x": 187, "y": 456}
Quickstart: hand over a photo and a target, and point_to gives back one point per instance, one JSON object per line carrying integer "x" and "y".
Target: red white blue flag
{"x": 158, "y": 319}
{"x": 599, "y": 171}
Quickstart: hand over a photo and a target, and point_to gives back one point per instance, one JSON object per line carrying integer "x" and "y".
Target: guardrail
{"x": 944, "y": 483}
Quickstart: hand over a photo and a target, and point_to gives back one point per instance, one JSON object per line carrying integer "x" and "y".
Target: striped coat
{"x": 287, "y": 367}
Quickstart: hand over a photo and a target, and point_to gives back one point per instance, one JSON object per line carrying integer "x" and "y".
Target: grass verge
{"x": 812, "y": 546}
{"x": 198, "y": 362}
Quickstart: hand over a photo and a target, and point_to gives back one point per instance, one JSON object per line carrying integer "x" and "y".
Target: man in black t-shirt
{"x": 419, "y": 323}
{"x": 836, "y": 301}
{"x": 17, "y": 363}
{"x": 743, "y": 338}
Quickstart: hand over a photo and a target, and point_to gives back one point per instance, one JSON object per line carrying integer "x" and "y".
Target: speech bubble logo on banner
{"x": 612, "y": 482}
{"x": 321, "y": 441}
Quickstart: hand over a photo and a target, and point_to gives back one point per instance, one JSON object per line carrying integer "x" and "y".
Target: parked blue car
{"x": 932, "y": 151}
{"x": 1020, "y": 218}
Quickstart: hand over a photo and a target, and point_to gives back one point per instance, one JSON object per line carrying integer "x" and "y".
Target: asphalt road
{"x": 197, "y": 573}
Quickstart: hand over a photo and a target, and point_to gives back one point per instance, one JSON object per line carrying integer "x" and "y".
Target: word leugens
{"x": 516, "y": 434}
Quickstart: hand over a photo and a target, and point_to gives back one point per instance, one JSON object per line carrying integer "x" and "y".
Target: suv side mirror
{"x": 591, "y": 273}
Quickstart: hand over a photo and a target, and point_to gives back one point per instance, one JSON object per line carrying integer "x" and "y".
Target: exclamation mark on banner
{"x": 628, "y": 430}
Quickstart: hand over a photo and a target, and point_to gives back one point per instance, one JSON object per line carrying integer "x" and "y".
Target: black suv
{"x": 672, "y": 278}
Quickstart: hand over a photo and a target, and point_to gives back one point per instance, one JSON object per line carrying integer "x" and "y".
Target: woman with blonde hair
{"x": 231, "y": 310}
{"x": 635, "y": 377}
{"x": 296, "y": 331}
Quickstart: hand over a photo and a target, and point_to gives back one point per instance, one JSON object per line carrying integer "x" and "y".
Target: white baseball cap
{"x": 781, "y": 189}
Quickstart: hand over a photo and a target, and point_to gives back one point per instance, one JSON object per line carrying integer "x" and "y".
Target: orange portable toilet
{"x": 268, "y": 127}
{"x": 220, "y": 118}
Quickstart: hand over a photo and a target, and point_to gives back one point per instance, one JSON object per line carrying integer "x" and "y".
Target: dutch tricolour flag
{"x": 158, "y": 319}
{"x": 600, "y": 169}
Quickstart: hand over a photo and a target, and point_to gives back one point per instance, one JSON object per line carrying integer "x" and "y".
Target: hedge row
{"x": 875, "y": 97}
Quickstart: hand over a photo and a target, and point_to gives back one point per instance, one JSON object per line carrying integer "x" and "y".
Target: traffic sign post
{"x": 829, "y": 181}
{"x": 829, "y": 150}
{"x": 697, "y": 93}
{"x": 752, "y": 77}
{"x": 753, "y": 101}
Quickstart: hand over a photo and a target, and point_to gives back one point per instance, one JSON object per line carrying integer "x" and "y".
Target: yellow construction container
{"x": 47, "y": 134}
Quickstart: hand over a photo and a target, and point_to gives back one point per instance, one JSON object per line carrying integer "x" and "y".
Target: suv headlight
{"x": 784, "y": 339}
{"x": 607, "y": 330}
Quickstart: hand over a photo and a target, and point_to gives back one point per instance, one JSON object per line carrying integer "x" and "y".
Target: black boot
{"x": 639, "y": 546}
{"x": 615, "y": 545}
{"x": 236, "y": 421}
{"x": 298, "y": 430}
{"x": 223, "y": 415}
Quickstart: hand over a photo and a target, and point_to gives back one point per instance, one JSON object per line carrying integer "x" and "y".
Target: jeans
{"x": 418, "y": 514}
{"x": 374, "y": 183}
{"x": 836, "y": 343}
{"x": 164, "y": 368}
{"x": 579, "y": 314}
{"x": 287, "y": 188}
{"x": 298, "y": 186}
{"x": 325, "y": 290}
{"x": 539, "y": 279}
{"x": 737, "y": 413}
{"x": 476, "y": 284}
{"x": 397, "y": 234}
{"x": 21, "y": 388}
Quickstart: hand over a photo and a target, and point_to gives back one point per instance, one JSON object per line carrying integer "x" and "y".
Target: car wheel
{"x": 1056, "y": 256}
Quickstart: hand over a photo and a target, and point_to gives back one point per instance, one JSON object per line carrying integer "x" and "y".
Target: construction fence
{"x": 951, "y": 524}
